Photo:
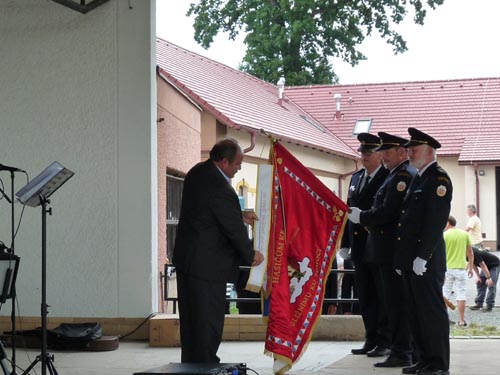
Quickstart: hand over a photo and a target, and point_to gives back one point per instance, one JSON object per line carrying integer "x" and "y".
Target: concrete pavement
{"x": 468, "y": 356}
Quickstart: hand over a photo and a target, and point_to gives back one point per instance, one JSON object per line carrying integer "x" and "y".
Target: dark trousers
{"x": 201, "y": 312}
{"x": 428, "y": 317}
{"x": 397, "y": 309}
{"x": 370, "y": 291}
{"x": 331, "y": 289}
{"x": 349, "y": 289}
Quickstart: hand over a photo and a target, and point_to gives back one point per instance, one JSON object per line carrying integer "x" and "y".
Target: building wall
{"x": 179, "y": 144}
{"x": 80, "y": 89}
{"x": 325, "y": 166}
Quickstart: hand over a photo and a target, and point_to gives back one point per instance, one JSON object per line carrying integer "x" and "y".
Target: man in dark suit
{"x": 421, "y": 255}
{"x": 381, "y": 221}
{"x": 367, "y": 275}
{"x": 211, "y": 242}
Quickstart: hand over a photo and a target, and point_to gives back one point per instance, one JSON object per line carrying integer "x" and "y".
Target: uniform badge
{"x": 401, "y": 186}
{"x": 441, "y": 191}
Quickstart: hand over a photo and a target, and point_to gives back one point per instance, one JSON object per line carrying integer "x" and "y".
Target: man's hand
{"x": 419, "y": 266}
{"x": 489, "y": 282}
{"x": 258, "y": 258}
{"x": 353, "y": 214}
{"x": 470, "y": 273}
{"x": 249, "y": 217}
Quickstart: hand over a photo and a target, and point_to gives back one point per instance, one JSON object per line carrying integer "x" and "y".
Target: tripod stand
{"x": 46, "y": 359}
{"x": 34, "y": 194}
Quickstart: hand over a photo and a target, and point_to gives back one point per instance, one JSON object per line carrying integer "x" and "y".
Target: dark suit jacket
{"x": 212, "y": 240}
{"x": 354, "y": 234}
{"x": 382, "y": 218}
{"x": 424, "y": 215}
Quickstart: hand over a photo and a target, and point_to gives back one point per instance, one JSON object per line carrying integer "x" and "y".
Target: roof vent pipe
{"x": 281, "y": 88}
{"x": 337, "y": 98}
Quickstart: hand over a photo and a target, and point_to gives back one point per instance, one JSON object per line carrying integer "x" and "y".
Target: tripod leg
{"x": 33, "y": 364}
{"x": 3, "y": 360}
{"x": 51, "y": 367}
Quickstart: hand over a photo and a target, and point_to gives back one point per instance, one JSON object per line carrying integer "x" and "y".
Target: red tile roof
{"x": 242, "y": 101}
{"x": 464, "y": 115}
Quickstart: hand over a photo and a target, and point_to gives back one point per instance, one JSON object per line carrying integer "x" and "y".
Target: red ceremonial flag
{"x": 306, "y": 221}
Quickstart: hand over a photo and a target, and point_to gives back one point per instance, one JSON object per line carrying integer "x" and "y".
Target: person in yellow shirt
{"x": 474, "y": 227}
{"x": 458, "y": 249}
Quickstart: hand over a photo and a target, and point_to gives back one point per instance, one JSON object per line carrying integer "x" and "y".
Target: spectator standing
{"x": 459, "y": 264}
{"x": 421, "y": 255}
{"x": 486, "y": 282}
{"x": 474, "y": 227}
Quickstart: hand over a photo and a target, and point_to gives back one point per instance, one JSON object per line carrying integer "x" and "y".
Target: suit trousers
{"x": 201, "y": 313}
{"x": 428, "y": 317}
{"x": 397, "y": 309}
{"x": 371, "y": 302}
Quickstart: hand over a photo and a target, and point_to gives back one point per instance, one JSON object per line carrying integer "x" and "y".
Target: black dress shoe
{"x": 378, "y": 351}
{"x": 429, "y": 370}
{"x": 393, "y": 361}
{"x": 413, "y": 369}
{"x": 365, "y": 349}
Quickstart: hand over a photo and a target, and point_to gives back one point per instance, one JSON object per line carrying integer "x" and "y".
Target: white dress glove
{"x": 354, "y": 214}
{"x": 419, "y": 266}
{"x": 344, "y": 252}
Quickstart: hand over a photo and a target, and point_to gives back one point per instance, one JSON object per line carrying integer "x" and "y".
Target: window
{"x": 362, "y": 126}
{"x": 174, "y": 198}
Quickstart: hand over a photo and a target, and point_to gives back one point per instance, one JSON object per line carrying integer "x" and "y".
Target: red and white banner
{"x": 307, "y": 219}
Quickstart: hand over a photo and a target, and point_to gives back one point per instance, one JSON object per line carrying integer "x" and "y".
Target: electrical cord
{"x": 139, "y": 326}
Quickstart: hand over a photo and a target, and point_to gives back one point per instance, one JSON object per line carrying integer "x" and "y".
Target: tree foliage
{"x": 297, "y": 38}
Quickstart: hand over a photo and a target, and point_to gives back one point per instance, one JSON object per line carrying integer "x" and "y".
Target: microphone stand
{"x": 12, "y": 247}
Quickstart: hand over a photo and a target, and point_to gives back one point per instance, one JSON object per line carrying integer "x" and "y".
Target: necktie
{"x": 367, "y": 181}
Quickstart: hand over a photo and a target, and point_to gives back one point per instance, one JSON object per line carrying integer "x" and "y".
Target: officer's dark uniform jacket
{"x": 355, "y": 234}
{"x": 424, "y": 215}
{"x": 381, "y": 220}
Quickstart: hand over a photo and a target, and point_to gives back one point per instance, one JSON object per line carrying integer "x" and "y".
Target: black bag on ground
{"x": 73, "y": 335}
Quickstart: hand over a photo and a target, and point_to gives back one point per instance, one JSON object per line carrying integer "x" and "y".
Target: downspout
{"x": 252, "y": 143}
{"x": 476, "y": 174}
{"x": 343, "y": 176}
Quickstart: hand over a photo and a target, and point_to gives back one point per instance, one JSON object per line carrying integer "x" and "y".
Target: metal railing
{"x": 170, "y": 269}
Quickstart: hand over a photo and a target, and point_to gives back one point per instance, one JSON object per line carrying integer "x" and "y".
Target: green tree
{"x": 297, "y": 38}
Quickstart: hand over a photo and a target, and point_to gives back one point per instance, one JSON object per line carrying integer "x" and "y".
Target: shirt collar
{"x": 373, "y": 173}
{"x": 223, "y": 174}
{"x": 421, "y": 171}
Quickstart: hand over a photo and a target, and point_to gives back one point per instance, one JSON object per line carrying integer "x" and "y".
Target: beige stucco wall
{"x": 464, "y": 193}
{"x": 326, "y": 167}
{"x": 178, "y": 144}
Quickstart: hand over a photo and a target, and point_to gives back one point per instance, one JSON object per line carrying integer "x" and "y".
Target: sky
{"x": 459, "y": 39}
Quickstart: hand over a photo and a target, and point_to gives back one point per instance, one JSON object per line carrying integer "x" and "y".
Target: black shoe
{"x": 487, "y": 309}
{"x": 365, "y": 349}
{"x": 378, "y": 351}
{"x": 475, "y": 307}
{"x": 429, "y": 370}
{"x": 393, "y": 361}
{"x": 413, "y": 369}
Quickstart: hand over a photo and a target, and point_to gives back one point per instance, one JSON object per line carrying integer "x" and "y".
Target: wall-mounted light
{"x": 482, "y": 172}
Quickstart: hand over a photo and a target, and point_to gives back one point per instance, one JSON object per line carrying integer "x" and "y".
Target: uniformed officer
{"x": 381, "y": 220}
{"x": 421, "y": 255}
{"x": 362, "y": 188}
